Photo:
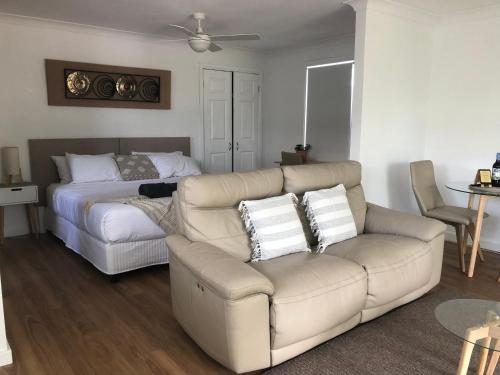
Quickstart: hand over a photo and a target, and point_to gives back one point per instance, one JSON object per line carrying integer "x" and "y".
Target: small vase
{"x": 302, "y": 154}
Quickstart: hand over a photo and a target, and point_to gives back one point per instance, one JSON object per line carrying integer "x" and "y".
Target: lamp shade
{"x": 10, "y": 160}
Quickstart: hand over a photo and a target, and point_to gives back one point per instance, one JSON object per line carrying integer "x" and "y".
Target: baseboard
{"x": 486, "y": 243}
{"x": 6, "y": 356}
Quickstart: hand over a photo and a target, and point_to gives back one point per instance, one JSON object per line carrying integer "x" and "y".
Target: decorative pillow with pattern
{"x": 330, "y": 216}
{"x": 136, "y": 167}
{"x": 274, "y": 227}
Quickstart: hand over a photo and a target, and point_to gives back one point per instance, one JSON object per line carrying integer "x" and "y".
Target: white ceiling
{"x": 280, "y": 23}
{"x": 442, "y": 7}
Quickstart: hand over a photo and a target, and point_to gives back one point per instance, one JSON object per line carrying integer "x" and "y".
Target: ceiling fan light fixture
{"x": 198, "y": 44}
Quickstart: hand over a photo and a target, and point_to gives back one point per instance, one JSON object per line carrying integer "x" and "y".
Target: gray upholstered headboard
{"x": 44, "y": 172}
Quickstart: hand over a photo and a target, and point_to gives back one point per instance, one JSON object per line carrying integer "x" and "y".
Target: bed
{"x": 114, "y": 237}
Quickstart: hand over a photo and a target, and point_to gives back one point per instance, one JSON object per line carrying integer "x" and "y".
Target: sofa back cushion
{"x": 301, "y": 178}
{"x": 208, "y": 206}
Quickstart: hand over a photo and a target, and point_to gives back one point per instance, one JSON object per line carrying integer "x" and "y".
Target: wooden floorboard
{"x": 65, "y": 317}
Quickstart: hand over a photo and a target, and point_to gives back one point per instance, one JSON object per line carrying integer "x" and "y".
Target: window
{"x": 327, "y": 115}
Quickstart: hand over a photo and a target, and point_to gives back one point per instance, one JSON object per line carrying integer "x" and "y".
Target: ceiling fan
{"x": 200, "y": 41}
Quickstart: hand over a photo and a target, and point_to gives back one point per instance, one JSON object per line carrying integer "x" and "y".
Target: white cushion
{"x": 274, "y": 227}
{"x": 93, "y": 168}
{"x": 156, "y": 153}
{"x": 62, "y": 168}
{"x": 175, "y": 165}
{"x": 330, "y": 216}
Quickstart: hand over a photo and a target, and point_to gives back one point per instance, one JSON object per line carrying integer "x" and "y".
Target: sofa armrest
{"x": 387, "y": 221}
{"x": 225, "y": 275}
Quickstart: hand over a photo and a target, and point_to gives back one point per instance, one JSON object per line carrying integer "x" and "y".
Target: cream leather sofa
{"x": 250, "y": 316}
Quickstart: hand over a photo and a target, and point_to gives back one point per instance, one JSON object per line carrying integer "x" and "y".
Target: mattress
{"x": 107, "y": 222}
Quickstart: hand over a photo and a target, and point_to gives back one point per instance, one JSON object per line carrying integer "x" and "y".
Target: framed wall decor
{"x": 80, "y": 84}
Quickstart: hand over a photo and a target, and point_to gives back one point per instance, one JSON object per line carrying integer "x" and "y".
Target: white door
{"x": 246, "y": 121}
{"x": 217, "y": 120}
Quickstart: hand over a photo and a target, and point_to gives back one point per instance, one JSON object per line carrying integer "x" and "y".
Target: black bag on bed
{"x": 159, "y": 190}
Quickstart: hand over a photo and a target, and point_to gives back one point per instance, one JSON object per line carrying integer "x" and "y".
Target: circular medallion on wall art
{"x": 78, "y": 83}
{"x": 149, "y": 90}
{"x": 103, "y": 86}
{"x": 126, "y": 87}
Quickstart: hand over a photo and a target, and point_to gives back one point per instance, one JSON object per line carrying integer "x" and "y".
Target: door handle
{"x": 237, "y": 146}
{"x": 230, "y": 146}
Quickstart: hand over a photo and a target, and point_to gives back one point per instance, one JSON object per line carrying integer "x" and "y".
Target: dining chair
{"x": 290, "y": 158}
{"x": 432, "y": 205}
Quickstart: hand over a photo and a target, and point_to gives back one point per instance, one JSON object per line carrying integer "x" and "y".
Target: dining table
{"x": 484, "y": 193}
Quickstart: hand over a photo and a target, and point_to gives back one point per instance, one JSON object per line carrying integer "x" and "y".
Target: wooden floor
{"x": 64, "y": 317}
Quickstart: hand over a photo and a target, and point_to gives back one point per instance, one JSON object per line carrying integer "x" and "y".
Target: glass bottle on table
{"x": 495, "y": 172}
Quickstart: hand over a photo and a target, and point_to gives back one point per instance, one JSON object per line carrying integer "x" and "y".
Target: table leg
{"x": 32, "y": 219}
{"x": 463, "y": 366}
{"x": 477, "y": 234}
{"x": 493, "y": 363}
{"x": 483, "y": 359}
{"x": 36, "y": 221}
{"x": 470, "y": 205}
{"x": 472, "y": 229}
{"x": 471, "y": 201}
{"x": 2, "y": 237}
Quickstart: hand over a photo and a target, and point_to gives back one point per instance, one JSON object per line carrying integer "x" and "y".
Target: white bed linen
{"x": 108, "y": 222}
{"x": 110, "y": 258}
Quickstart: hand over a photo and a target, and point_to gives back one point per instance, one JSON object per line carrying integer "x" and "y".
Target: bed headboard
{"x": 43, "y": 169}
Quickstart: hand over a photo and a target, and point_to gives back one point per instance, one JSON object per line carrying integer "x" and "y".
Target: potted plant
{"x": 302, "y": 150}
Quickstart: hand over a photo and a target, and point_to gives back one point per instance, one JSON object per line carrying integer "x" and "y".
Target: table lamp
{"x": 11, "y": 165}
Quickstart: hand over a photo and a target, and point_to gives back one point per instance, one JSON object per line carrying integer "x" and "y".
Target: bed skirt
{"x": 109, "y": 258}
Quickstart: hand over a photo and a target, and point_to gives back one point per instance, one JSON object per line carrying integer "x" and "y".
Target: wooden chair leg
{"x": 460, "y": 233}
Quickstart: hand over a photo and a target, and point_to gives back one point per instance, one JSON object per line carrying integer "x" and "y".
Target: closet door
{"x": 246, "y": 121}
{"x": 217, "y": 121}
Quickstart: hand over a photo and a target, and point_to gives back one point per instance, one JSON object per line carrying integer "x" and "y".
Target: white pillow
{"x": 274, "y": 227}
{"x": 157, "y": 153}
{"x": 164, "y": 164}
{"x": 62, "y": 169}
{"x": 330, "y": 216}
{"x": 186, "y": 166}
{"x": 93, "y": 168}
{"x": 175, "y": 165}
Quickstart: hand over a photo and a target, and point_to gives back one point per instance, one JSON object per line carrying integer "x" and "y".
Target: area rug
{"x": 408, "y": 340}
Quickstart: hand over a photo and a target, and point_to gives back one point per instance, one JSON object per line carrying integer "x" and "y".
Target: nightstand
{"x": 24, "y": 193}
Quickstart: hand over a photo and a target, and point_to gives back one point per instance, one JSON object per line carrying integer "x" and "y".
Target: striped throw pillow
{"x": 274, "y": 227}
{"x": 330, "y": 216}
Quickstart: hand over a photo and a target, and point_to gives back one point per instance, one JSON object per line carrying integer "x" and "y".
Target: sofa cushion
{"x": 312, "y": 294}
{"x": 330, "y": 215}
{"x": 301, "y": 178}
{"x": 274, "y": 226}
{"x": 396, "y": 265}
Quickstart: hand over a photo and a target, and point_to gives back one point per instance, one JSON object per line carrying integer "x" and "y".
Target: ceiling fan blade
{"x": 235, "y": 37}
{"x": 214, "y": 48}
{"x": 184, "y": 30}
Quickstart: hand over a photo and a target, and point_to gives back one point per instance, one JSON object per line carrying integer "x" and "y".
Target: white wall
{"x": 392, "y": 74}
{"x": 426, "y": 88}
{"x": 24, "y": 114}
{"x": 283, "y": 93}
{"x": 463, "y": 132}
